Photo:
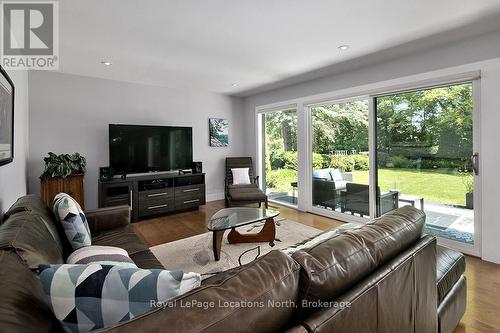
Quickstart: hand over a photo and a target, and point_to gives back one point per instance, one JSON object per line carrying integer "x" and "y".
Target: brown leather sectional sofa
{"x": 383, "y": 277}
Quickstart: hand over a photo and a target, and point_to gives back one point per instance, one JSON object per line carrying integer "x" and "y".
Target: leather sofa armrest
{"x": 102, "y": 219}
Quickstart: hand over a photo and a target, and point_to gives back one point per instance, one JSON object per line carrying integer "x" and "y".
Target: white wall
{"x": 70, "y": 113}
{"x": 465, "y": 55}
{"x": 13, "y": 175}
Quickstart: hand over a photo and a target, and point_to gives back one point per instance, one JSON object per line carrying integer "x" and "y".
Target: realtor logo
{"x": 30, "y": 35}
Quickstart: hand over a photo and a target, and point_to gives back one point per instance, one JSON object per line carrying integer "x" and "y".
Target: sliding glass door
{"x": 363, "y": 157}
{"x": 279, "y": 156}
{"x": 340, "y": 159}
{"x": 425, "y": 157}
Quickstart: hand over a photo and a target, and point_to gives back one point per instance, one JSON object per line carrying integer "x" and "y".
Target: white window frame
{"x": 443, "y": 77}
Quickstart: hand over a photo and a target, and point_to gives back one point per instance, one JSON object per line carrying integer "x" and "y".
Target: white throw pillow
{"x": 104, "y": 255}
{"x": 240, "y": 176}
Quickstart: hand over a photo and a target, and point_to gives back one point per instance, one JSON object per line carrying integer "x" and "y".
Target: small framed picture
{"x": 219, "y": 132}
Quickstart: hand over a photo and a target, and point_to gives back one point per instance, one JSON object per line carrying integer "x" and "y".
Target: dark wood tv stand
{"x": 155, "y": 193}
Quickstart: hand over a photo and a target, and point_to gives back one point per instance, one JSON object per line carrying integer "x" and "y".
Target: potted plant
{"x": 63, "y": 173}
{"x": 468, "y": 181}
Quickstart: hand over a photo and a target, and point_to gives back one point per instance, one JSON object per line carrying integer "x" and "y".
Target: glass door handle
{"x": 475, "y": 163}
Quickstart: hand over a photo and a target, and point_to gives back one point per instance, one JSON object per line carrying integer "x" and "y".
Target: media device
{"x": 138, "y": 148}
{"x": 197, "y": 167}
{"x": 105, "y": 174}
{"x": 154, "y": 184}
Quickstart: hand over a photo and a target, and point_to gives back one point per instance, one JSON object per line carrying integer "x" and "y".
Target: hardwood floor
{"x": 483, "y": 278}
{"x": 170, "y": 228}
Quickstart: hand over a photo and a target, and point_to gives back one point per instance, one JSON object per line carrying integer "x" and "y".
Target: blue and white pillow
{"x": 89, "y": 297}
{"x": 69, "y": 213}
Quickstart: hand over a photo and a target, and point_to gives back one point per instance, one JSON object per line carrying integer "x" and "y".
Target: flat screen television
{"x": 138, "y": 148}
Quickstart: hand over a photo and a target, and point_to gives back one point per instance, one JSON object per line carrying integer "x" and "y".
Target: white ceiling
{"x": 213, "y": 44}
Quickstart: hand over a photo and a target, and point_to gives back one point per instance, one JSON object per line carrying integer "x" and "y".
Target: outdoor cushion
{"x": 322, "y": 173}
{"x": 336, "y": 175}
{"x": 240, "y": 176}
{"x": 340, "y": 184}
{"x": 89, "y": 297}
{"x": 69, "y": 213}
{"x": 450, "y": 267}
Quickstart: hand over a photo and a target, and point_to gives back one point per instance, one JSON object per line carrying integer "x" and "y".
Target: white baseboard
{"x": 215, "y": 196}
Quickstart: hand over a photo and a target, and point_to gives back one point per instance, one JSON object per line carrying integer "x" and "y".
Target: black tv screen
{"x": 136, "y": 149}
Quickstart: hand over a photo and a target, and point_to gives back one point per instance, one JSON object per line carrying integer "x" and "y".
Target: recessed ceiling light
{"x": 235, "y": 84}
{"x": 106, "y": 63}
{"x": 343, "y": 47}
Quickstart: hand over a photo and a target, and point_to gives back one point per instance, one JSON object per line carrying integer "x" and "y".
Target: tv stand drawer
{"x": 165, "y": 193}
{"x": 157, "y": 206}
{"x": 190, "y": 191}
{"x": 184, "y": 202}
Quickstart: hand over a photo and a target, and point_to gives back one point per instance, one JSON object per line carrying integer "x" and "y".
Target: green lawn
{"x": 432, "y": 185}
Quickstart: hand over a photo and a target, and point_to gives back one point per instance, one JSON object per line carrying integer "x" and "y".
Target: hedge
{"x": 347, "y": 163}
{"x": 360, "y": 162}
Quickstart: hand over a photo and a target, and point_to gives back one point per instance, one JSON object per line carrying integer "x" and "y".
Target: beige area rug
{"x": 195, "y": 254}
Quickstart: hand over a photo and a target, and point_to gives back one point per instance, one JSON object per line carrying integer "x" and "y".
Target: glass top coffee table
{"x": 231, "y": 218}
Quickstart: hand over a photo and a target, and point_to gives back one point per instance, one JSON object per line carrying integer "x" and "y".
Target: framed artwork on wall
{"x": 219, "y": 132}
{"x": 6, "y": 118}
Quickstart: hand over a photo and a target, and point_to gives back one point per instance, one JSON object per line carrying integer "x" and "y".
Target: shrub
{"x": 361, "y": 162}
{"x": 399, "y": 162}
{"x": 442, "y": 163}
{"x": 343, "y": 162}
{"x": 289, "y": 160}
{"x": 283, "y": 160}
{"x": 317, "y": 161}
{"x": 281, "y": 179}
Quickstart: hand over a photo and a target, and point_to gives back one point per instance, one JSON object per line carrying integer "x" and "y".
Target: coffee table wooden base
{"x": 267, "y": 234}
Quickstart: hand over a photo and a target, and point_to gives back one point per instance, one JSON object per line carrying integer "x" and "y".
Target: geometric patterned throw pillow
{"x": 89, "y": 297}
{"x": 69, "y": 213}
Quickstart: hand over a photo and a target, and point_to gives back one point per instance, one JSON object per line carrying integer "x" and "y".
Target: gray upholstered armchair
{"x": 242, "y": 193}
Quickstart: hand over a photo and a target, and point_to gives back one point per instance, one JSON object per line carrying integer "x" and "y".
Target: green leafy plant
{"x": 468, "y": 181}
{"x": 63, "y": 165}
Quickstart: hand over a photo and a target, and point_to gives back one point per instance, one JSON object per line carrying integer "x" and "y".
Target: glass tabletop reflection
{"x": 229, "y": 218}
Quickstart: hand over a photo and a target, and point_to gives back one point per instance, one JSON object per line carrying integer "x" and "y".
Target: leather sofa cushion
{"x": 271, "y": 278}
{"x": 22, "y": 306}
{"x": 26, "y": 233}
{"x": 331, "y": 267}
{"x": 33, "y": 204}
{"x": 453, "y": 306}
{"x": 147, "y": 260}
{"x": 450, "y": 267}
{"x": 123, "y": 237}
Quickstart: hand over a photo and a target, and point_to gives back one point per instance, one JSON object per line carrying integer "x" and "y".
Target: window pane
{"x": 424, "y": 145}
{"x": 340, "y": 157}
{"x": 280, "y": 149}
